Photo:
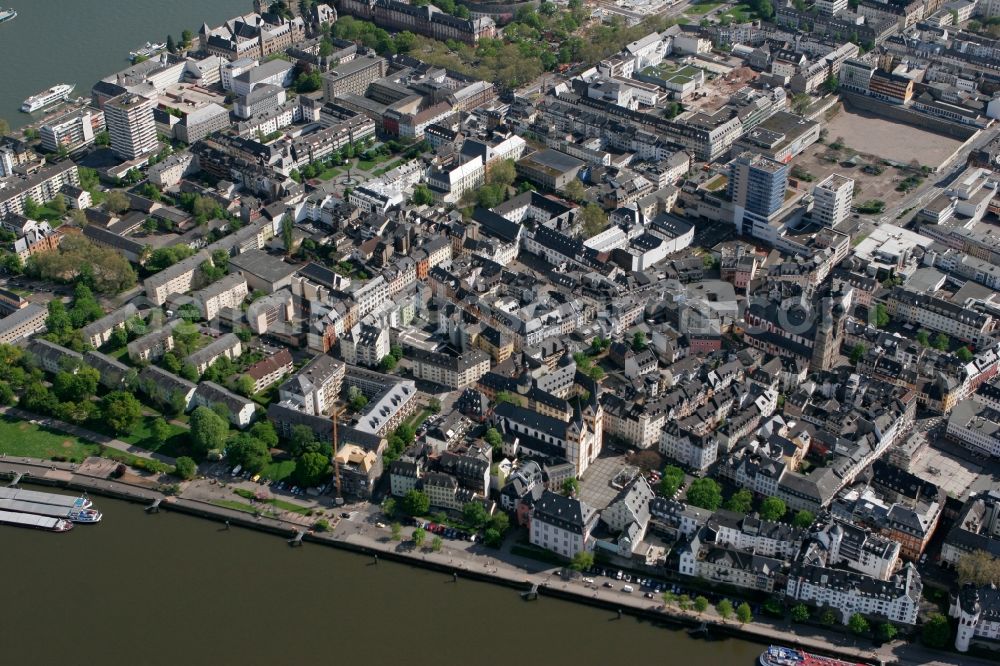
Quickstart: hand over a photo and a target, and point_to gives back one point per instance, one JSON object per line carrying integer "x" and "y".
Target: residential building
{"x": 97, "y": 333}
{"x": 270, "y": 370}
{"x": 454, "y": 371}
{"x": 227, "y": 345}
{"x": 832, "y": 198}
{"x": 229, "y": 292}
{"x": 72, "y": 131}
{"x": 562, "y": 525}
{"x": 131, "y": 125}
{"x": 241, "y": 410}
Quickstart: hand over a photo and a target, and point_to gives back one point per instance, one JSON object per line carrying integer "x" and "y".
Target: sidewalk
{"x": 84, "y": 433}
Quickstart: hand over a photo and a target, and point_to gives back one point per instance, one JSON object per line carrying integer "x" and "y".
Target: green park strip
{"x": 235, "y": 506}
{"x": 23, "y": 438}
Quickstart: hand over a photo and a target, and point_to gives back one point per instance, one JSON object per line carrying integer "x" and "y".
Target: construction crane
{"x": 337, "y": 411}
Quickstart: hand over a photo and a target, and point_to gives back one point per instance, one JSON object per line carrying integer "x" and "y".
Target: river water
{"x": 173, "y": 589}
{"x": 82, "y": 41}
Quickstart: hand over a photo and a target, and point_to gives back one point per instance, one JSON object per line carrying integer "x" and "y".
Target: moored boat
{"x": 57, "y": 93}
{"x": 46, "y": 523}
{"x": 777, "y": 655}
{"x": 7, "y": 15}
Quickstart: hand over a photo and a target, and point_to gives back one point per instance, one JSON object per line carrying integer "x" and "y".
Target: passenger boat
{"x": 148, "y": 51}
{"x": 58, "y": 93}
{"x": 777, "y": 655}
{"x": 7, "y": 15}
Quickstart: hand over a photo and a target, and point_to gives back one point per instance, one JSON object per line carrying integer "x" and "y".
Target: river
{"x": 82, "y": 41}
{"x": 173, "y": 589}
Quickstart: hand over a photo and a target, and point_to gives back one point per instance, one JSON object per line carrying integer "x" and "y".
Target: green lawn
{"x": 277, "y": 503}
{"x": 141, "y": 435}
{"x": 388, "y": 167}
{"x": 701, "y": 8}
{"x": 279, "y": 470}
{"x": 22, "y": 438}
{"x": 238, "y": 506}
{"x": 368, "y": 165}
{"x": 740, "y": 13}
{"x": 418, "y": 418}
{"x": 329, "y": 172}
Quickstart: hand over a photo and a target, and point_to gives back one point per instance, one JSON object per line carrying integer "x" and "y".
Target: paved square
{"x": 595, "y": 486}
{"x": 948, "y": 471}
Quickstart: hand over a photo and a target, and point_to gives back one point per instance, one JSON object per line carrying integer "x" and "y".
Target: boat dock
{"x": 32, "y": 520}
{"x": 38, "y": 497}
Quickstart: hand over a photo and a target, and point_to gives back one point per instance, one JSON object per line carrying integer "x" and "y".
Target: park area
{"x": 672, "y": 72}
{"x": 890, "y": 140}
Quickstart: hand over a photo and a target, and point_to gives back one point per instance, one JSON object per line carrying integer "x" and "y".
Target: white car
{"x": 627, "y": 589}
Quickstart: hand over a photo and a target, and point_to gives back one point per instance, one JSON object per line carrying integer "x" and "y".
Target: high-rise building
{"x": 757, "y": 189}
{"x": 832, "y": 200}
{"x": 131, "y": 125}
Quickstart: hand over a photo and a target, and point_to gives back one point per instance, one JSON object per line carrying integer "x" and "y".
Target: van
{"x": 627, "y": 589}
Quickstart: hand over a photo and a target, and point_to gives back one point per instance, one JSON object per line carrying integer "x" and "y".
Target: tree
{"x": 882, "y": 318}
{"x": 116, "y": 202}
{"x": 245, "y": 385}
{"x": 964, "y": 355}
{"x": 575, "y": 190}
{"x": 858, "y": 624}
{"x": 941, "y": 342}
{"x": 831, "y": 84}
{"x": 502, "y": 173}
{"x": 311, "y": 469}
{"x": 979, "y": 568}
{"x": 475, "y": 515}
{"x": 582, "y": 561}
{"x": 828, "y": 617}
{"x": 571, "y": 486}
{"x": 264, "y": 431}
{"x": 6, "y": 393}
{"x": 924, "y": 338}
{"x": 249, "y": 452}
{"x": 436, "y": 544}
{"x": 803, "y": 519}
{"x": 700, "y": 604}
{"x": 741, "y": 501}
{"x": 397, "y": 532}
{"x": 357, "y": 402}
{"x": 886, "y": 631}
{"x": 857, "y": 353}
{"x": 594, "y": 220}
{"x": 937, "y": 631}
{"x": 186, "y": 37}
{"x": 121, "y": 411}
{"x": 705, "y": 493}
{"x": 185, "y": 468}
{"x": 800, "y": 613}
{"x": 159, "y": 430}
{"x": 387, "y": 364}
{"x": 171, "y": 45}
{"x": 684, "y": 602}
{"x": 434, "y": 405}
{"x": 801, "y": 103}
{"x": 419, "y": 535}
{"x": 422, "y": 195}
{"x": 743, "y": 613}
{"x": 772, "y": 508}
{"x": 725, "y": 609}
{"x": 286, "y": 233}
{"x": 494, "y": 439}
{"x": 673, "y": 477}
{"x": 638, "y": 341}
{"x": 415, "y": 503}
{"x": 208, "y": 430}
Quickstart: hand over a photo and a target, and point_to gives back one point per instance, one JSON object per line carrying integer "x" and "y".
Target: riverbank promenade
{"x": 362, "y": 533}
